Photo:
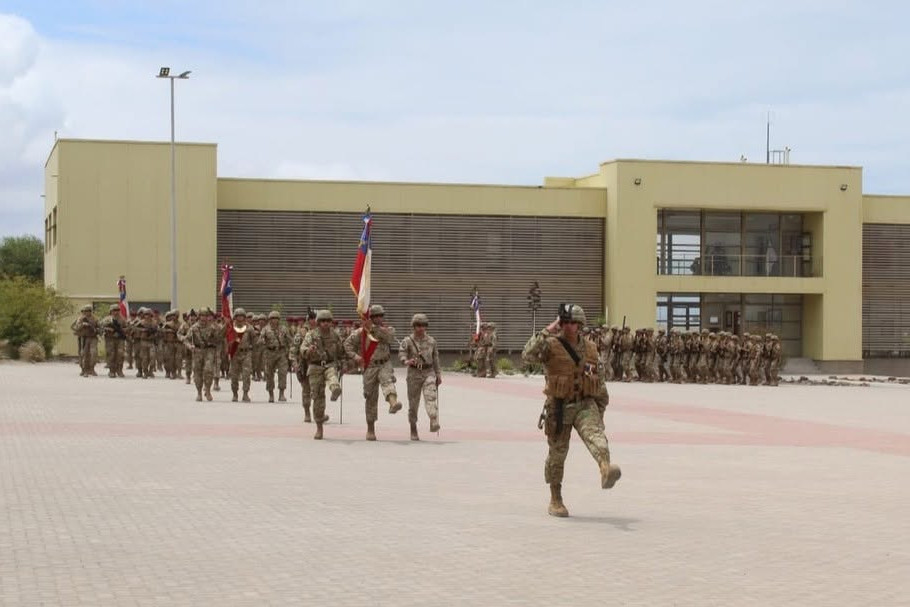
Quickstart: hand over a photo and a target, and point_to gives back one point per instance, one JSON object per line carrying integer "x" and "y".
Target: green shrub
{"x": 29, "y": 312}
{"x": 505, "y": 364}
{"x": 31, "y": 351}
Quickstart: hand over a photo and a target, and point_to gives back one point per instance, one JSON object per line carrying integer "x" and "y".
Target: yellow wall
{"x": 886, "y": 209}
{"x": 114, "y": 218}
{"x": 265, "y": 194}
{"x": 51, "y": 199}
{"x": 632, "y": 229}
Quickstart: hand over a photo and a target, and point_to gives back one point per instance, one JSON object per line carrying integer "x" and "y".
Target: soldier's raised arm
{"x": 537, "y": 350}
{"x": 351, "y": 344}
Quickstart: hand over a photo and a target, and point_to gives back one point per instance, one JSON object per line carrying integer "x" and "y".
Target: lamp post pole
{"x": 165, "y": 72}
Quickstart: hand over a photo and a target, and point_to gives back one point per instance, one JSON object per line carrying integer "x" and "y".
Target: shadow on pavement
{"x": 621, "y": 523}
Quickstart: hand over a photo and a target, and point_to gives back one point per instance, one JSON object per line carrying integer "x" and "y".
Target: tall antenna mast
{"x": 768, "y": 139}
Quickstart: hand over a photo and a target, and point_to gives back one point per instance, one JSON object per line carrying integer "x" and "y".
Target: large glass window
{"x": 679, "y": 242}
{"x": 762, "y": 244}
{"x": 723, "y": 244}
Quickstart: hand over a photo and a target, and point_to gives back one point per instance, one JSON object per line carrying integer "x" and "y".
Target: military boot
{"x": 198, "y": 396}
{"x": 208, "y": 394}
{"x": 609, "y": 474}
{"x": 307, "y": 418}
{"x": 434, "y": 424}
{"x": 271, "y": 396}
{"x": 371, "y": 430}
{"x": 325, "y": 418}
{"x": 246, "y": 396}
{"x": 394, "y": 405}
{"x": 234, "y": 397}
{"x": 318, "y": 435}
{"x": 336, "y": 392}
{"x": 189, "y": 378}
{"x": 281, "y": 397}
{"x": 557, "y": 508}
{"x": 111, "y": 374}
{"x": 414, "y": 435}
{"x": 216, "y": 387}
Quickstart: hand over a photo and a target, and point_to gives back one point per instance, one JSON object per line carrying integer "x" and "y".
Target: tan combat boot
{"x": 307, "y": 418}
{"x": 325, "y": 418}
{"x": 394, "y": 405}
{"x": 217, "y": 386}
{"x": 281, "y": 397}
{"x": 336, "y": 392}
{"x": 609, "y": 474}
{"x": 246, "y": 397}
{"x": 371, "y": 430}
{"x": 234, "y": 397}
{"x": 557, "y": 508}
{"x": 271, "y": 396}
{"x": 208, "y": 394}
{"x": 434, "y": 424}
{"x": 198, "y": 396}
{"x": 414, "y": 435}
{"x": 189, "y": 378}
{"x": 318, "y": 435}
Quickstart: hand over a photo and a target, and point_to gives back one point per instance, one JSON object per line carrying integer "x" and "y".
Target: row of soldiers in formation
{"x": 683, "y": 357}
{"x": 316, "y": 349}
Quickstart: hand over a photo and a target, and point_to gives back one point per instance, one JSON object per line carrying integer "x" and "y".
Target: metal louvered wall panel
{"x": 886, "y": 290}
{"x": 421, "y": 263}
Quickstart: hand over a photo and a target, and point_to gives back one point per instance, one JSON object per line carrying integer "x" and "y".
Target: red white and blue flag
{"x": 227, "y": 304}
{"x": 475, "y": 305}
{"x": 360, "y": 277}
{"x": 124, "y": 304}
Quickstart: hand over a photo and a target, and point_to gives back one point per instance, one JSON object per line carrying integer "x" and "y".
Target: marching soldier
{"x": 86, "y": 329}
{"x": 145, "y": 333}
{"x": 625, "y": 345}
{"x": 114, "y": 331}
{"x": 186, "y": 356}
{"x": 576, "y": 398}
{"x": 324, "y": 353}
{"x": 170, "y": 343}
{"x": 369, "y": 346}
{"x": 662, "y": 355}
{"x": 491, "y": 341}
{"x": 242, "y": 362}
{"x": 299, "y": 364}
{"x": 772, "y": 369}
{"x": 202, "y": 340}
{"x": 421, "y": 356}
{"x": 258, "y": 347}
{"x": 480, "y": 351}
{"x": 276, "y": 340}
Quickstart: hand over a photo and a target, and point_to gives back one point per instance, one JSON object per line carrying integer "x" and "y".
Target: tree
{"x": 22, "y": 256}
{"x": 29, "y": 311}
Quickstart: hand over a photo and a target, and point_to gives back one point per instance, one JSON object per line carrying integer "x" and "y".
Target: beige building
{"x": 797, "y": 250}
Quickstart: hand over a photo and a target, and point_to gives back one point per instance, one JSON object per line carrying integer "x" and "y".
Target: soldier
{"x": 145, "y": 332}
{"x": 242, "y": 361}
{"x": 202, "y": 340}
{"x": 626, "y": 346}
{"x": 742, "y": 367}
{"x": 755, "y": 360}
{"x": 169, "y": 343}
{"x": 276, "y": 340}
{"x": 370, "y": 347}
{"x": 662, "y": 355}
{"x": 677, "y": 356}
{"x": 258, "y": 347}
{"x": 114, "y": 331}
{"x": 128, "y": 343}
{"x": 185, "y": 357}
{"x": 86, "y": 329}
{"x": 576, "y": 398}
{"x": 480, "y": 351}
{"x": 773, "y": 356}
{"x": 421, "y": 356}
{"x": 651, "y": 357}
{"x": 323, "y": 352}
{"x": 158, "y": 355}
{"x": 299, "y": 364}
{"x": 491, "y": 342}
{"x": 221, "y": 367}
{"x": 605, "y": 351}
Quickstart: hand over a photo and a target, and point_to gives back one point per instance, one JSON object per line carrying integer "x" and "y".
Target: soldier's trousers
{"x": 276, "y": 361}
{"x": 376, "y": 377}
{"x": 626, "y": 362}
{"x": 480, "y": 360}
{"x": 204, "y": 368}
{"x": 159, "y": 355}
{"x": 188, "y": 362}
{"x": 319, "y": 376}
{"x": 241, "y": 370}
{"x": 587, "y": 419}
{"x": 306, "y": 396}
{"x": 491, "y": 362}
{"x": 145, "y": 358}
{"x": 607, "y": 361}
{"x": 170, "y": 358}
{"x": 257, "y": 362}
{"x": 114, "y": 348}
{"x": 754, "y": 372}
{"x": 88, "y": 357}
{"x": 773, "y": 373}
{"x": 423, "y": 382}
{"x": 129, "y": 352}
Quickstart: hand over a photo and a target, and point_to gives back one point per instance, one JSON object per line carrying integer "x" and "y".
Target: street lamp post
{"x": 165, "y": 72}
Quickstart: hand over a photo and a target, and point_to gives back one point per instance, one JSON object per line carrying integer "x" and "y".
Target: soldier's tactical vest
{"x": 568, "y": 381}
{"x": 86, "y": 329}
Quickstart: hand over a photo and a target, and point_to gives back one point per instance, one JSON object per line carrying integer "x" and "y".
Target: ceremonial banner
{"x": 227, "y": 305}
{"x": 124, "y": 304}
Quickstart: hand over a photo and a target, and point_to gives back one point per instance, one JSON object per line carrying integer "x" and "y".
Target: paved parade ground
{"x": 127, "y": 492}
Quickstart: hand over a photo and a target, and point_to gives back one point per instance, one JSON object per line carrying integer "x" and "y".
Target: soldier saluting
{"x": 576, "y": 398}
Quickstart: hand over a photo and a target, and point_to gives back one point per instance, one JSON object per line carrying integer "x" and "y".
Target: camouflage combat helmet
{"x": 206, "y": 311}
{"x": 87, "y": 308}
{"x": 274, "y": 314}
{"x": 577, "y": 314}
{"x": 376, "y": 310}
{"x": 239, "y": 312}
{"x": 420, "y": 319}
{"x": 170, "y": 313}
{"x": 491, "y": 325}
{"x": 324, "y": 315}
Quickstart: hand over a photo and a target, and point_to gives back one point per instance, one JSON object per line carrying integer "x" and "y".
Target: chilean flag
{"x": 360, "y": 277}
{"x": 475, "y": 305}
{"x": 227, "y": 303}
{"x": 124, "y": 304}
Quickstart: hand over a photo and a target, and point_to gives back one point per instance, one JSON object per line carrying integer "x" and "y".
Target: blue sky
{"x": 504, "y": 92}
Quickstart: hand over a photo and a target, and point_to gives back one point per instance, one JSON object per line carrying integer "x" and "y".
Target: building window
{"x": 54, "y": 227}
{"x": 47, "y": 230}
{"x": 679, "y": 242}
{"x": 723, "y": 244}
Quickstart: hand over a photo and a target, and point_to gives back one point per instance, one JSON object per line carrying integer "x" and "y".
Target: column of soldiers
{"x": 684, "y": 357}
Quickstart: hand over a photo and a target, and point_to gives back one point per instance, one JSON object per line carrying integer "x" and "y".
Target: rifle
{"x": 118, "y": 329}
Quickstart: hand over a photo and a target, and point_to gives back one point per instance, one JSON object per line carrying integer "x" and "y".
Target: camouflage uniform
{"x": 324, "y": 353}
{"x": 480, "y": 351}
{"x": 170, "y": 342}
{"x": 87, "y": 329}
{"x": 146, "y": 333}
{"x": 258, "y": 348}
{"x": 421, "y": 356}
{"x": 186, "y": 355}
{"x": 114, "y": 330}
{"x": 202, "y": 339}
{"x": 379, "y": 373}
{"x": 773, "y": 355}
{"x": 625, "y": 346}
{"x": 276, "y": 340}
{"x": 299, "y": 364}
{"x": 242, "y": 361}
{"x": 662, "y": 355}
{"x": 576, "y": 398}
{"x": 755, "y": 356}
{"x": 491, "y": 342}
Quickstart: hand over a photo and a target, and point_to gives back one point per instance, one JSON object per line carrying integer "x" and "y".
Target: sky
{"x": 443, "y": 91}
